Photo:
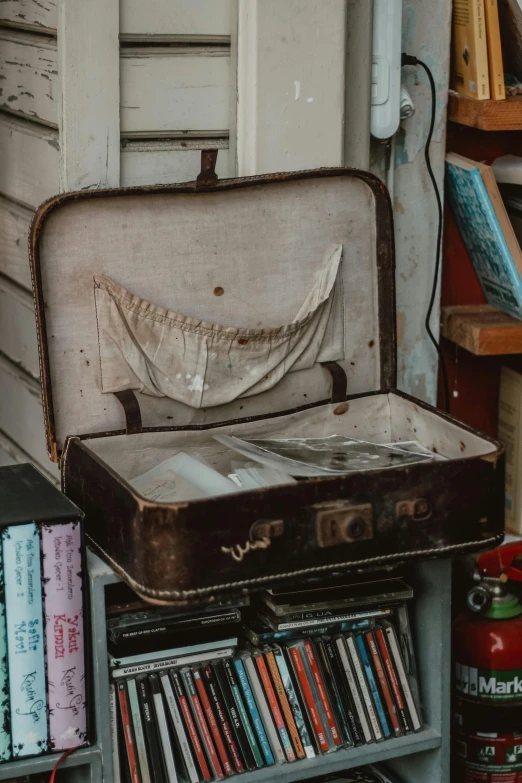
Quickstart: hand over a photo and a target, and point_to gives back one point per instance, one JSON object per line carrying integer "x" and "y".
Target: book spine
{"x": 316, "y": 674}
{"x": 25, "y": 639}
{"x": 340, "y": 678}
{"x": 184, "y": 706}
{"x": 234, "y": 687}
{"x": 151, "y": 731}
{"x": 383, "y": 682}
{"x": 169, "y": 663}
{"x": 163, "y": 730}
{"x": 254, "y": 712}
{"x": 353, "y": 688}
{"x": 5, "y": 728}
{"x": 114, "y": 734}
{"x": 127, "y": 734}
{"x": 139, "y": 734}
{"x": 403, "y": 679}
{"x": 309, "y": 699}
{"x": 264, "y": 709}
{"x": 334, "y": 692}
{"x": 394, "y": 682}
{"x": 285, "y": 705}
{"x": 496, "y": 66}
{"x": 212, "y": 722}
{"x": 293, "y": 700}
{"x": 363, "y": 653}
{"x": 481, "y": 48}
{"x": 365, "y": 692}
{"x": 201, "y": 723}
{"x": 64, "y": 634}
{"x": 220, "y": 711}
{"x": 233, "y": 713}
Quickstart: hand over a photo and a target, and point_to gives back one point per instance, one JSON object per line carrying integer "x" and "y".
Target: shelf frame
{"x": 487, "y": 115}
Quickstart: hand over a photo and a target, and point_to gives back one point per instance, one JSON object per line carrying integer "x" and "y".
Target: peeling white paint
{"x": 297, "y": 85}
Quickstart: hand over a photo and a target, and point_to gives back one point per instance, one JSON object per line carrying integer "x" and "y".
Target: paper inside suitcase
{"x": 260, "y": 306}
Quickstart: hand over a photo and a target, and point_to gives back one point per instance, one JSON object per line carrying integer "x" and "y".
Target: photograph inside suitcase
{"x": 253, "y": 308}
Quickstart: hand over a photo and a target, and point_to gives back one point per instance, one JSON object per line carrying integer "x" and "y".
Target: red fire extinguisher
{"x": 487, "y": 651}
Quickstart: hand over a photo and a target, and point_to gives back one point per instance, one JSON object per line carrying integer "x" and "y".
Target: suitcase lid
{"x": 242, "y": 253}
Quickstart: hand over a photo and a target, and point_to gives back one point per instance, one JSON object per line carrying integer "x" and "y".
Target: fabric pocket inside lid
{"x": 165, "y": 354}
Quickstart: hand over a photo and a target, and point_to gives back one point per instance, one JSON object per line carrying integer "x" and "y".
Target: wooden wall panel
{"x": 29, "y": 13}
{"x": 174, "y": 89}
{"x": 21, "y": 412}
{"x": 29, "y": 170}
{"x": 160, "y": 163}
{"x": 17, "y": 327}
{"x": 29, "y": 75}
{"x": 193, "y": 18}
{"x": 14, "y": 229}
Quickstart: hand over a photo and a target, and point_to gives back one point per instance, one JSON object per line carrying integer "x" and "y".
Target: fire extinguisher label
{"x": 489, "y": 686}
{"x": 490, "y": 758}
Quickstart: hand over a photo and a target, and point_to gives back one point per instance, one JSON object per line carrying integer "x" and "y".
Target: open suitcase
{"x": 131, "y": 286}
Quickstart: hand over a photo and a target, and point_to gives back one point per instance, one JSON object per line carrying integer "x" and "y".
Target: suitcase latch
{"x": 342, "y": 523}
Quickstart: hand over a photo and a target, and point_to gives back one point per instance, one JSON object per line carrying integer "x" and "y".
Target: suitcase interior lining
{"x": 376, "y": 418}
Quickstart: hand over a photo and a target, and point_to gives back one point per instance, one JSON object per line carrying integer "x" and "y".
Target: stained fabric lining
{"x": 165, "y": 354}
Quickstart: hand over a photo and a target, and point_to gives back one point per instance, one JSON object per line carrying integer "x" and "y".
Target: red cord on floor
{"x": 67, "y": 753}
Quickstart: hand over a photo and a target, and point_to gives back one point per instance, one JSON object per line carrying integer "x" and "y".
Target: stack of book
{"x": 477, "y": 67}
{"x": 342, "y": 675}
{"x": 42, "y": 665}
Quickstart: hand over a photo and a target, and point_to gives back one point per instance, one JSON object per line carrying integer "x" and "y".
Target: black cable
{"x": 410, "y": 60}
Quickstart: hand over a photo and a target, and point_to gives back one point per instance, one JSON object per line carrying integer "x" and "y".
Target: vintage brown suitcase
{"x": 244, "y": 253}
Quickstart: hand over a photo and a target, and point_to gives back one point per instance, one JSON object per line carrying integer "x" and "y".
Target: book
{"x": 510, "y": 435}
{"x": 264, "y": 709}
{"x": 486, "y": 231}
{"x": 190, "y": 726}
{"x": 151, "y": 732}
{"x": 470, "y": 68}
{"x": 201, "y": 723}
{"x": 5, "y": 718}
{"x": 497, "y": 86}
{"x": 64, "y": 634}
{"x": 233, "y": 684}
{"x": 113, "y": 712}
{"x": 212, "y": 721}
{"x": 161, "y": 723}
{"x": 255, "y": 717}
{"x": 277, "y": 715}
{"x": 221, "y": 714}
{"x": 279, "y": 688}
{"x": 169, "y": 663}
{"x": 130, "y": 747}
{"x": 139, "y": 734}
{"x": 510, "y": 13}
{"x": 25, "y": 639}
{"x": 355, "y": 693}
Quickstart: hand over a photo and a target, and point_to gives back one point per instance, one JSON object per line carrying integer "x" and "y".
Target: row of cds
{"x": 205, "y": 714}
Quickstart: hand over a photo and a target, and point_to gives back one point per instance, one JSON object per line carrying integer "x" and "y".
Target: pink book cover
{"x": 64, "y": 634}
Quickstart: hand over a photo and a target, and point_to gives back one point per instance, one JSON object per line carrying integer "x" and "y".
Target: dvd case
{"x": 212, "y": 722}
{"x": 130, "y": 747}
{"x": 337, "y": 668}
{"x": 113, "y": 712}
{"x": 372, "y": 683}
{"x": 273, "y": 703}
{"x": 151, "y": 731}
{"x": 298, "y": 658}
{"x": 403, "y": 677}
{"x": 264, "y": 709}
{"x": 393, "y": 680}
{"x": 220, "y": 711}
{"x": 254, "y": 712}
{"x": 178, "y": 730}
{"x": 284, "y": 704}
{"x": 186, "y": 712}
{"x": 293, "y": 700}
{"x": 383, "y": 683}
{"x": 236, "y": 693}
{"x": 163, "y": 730}
{"x": 334, "y": 693}
{"x": 364, "y": 688}
{"x": 201, "y": 723}
{"x": 355, "y": 693}
{"x": 321, "y": 690}
{"x": 233, "y": 713}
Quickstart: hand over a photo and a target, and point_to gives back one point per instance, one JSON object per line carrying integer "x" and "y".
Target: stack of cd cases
{"x": 258, "y": 693}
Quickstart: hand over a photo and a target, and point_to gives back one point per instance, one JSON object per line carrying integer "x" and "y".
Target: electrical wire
{"x": 408, "y": 59}
{"x": 62, "y": 758}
